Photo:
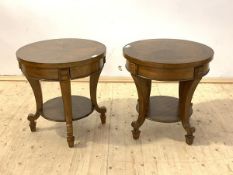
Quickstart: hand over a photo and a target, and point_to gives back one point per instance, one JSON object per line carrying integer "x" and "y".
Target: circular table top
{"x": 61, "y": 52}
{"x": 168, "y": 53}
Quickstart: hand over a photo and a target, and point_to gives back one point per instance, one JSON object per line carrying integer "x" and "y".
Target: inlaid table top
{"x": 167, "y": 59}
{"x": 61, "y": 52}
{"x": 45, "y": 59}
{"x": 168, "y": 53}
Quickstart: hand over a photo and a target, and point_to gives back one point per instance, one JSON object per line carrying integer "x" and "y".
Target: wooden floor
{"x": 110, "y": 149}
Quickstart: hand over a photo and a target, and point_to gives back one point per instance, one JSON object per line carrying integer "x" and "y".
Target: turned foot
{"x": 32, "y": 124}
{"x": 70, "y": 141}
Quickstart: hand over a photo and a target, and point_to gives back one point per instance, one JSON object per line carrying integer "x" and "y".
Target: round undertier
{"x": 53, "y": 109}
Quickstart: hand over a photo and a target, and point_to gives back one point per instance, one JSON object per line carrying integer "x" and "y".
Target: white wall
{"x": 116, "y": 23}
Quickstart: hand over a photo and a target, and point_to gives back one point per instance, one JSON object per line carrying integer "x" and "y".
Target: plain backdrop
{"x": 116, "y": 23}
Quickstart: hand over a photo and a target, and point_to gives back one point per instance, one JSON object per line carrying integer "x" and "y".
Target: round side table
{"x": 62, "y": 60}
{"x": 166, "y": 60}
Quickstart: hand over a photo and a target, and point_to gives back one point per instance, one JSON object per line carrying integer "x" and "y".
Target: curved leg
{"x": 143, "y": 88}
{"x": 67, "y": 102}
{"x": 180, "y": 93}
{"x": 36, "y": 87}
{"x": 93, "y": 88}
{"x": 186, "y": 91}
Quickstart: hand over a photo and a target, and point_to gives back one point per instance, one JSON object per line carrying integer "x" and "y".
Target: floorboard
{"x": 110, "y": 149}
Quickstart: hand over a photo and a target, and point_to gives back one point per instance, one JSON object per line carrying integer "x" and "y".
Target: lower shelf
{"x": 164, "y": 109}
{"x": 53, "y": 109}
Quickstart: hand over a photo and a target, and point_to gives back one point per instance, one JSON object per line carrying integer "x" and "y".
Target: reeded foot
{"x": 70, "y": 141}
{"x": 102, "y": 114}
{"x": 32, "y": 123}
{"x": 189, "y": 139}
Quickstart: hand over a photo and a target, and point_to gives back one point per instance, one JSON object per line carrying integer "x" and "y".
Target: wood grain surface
{"x": 168, "y": 53}
{"x": 58, "y": 52}
{"x": 164, "y": 109}
{"x": 53, "y": 109}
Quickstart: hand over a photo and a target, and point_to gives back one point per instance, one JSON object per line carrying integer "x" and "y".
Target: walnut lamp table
{"x": 62, "y": 60}
{"x": 166, "y": 60}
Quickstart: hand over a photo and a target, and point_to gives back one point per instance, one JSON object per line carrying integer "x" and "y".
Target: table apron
{"x": 53, "y": 73}
{"x": 167, "y": 74}
{"x": 86, "y": 70}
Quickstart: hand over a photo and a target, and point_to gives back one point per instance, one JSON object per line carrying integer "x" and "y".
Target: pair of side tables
{"x": 156, "y": 59}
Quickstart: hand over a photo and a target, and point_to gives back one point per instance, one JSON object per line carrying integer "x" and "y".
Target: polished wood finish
{"x": 36, "y": 87}
{"x": 120, "y": 79}
{"x": 82, "y": 57}
{"x": 167, "y": 60}
{"x": 186, "y": 91}
{"x": 143, "y": 88}
{"x": 164, "y": 109}
{"x": 53, "y": 108}
{"x": 93, "y": 88}
{"x": 168, "y": 53}
{"x": 61, "y": 53}
{"x": 67, "y": 103}
{"x": 62, "y": 60}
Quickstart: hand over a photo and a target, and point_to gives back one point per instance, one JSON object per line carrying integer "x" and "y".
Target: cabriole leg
{"x": 143, "y": 88}
{"x": 36, "y": 87}
{"x": 186, "y": 91}
{"x": 93, "y": 88}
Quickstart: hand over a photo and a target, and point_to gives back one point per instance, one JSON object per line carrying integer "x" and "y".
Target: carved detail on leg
{"x": 186, "y": 91}
{"x": 66, "y": 96}
{"x": 93, "y": 88}
{"x": 143, "y": 88}
{"x": 36, "y": 87}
